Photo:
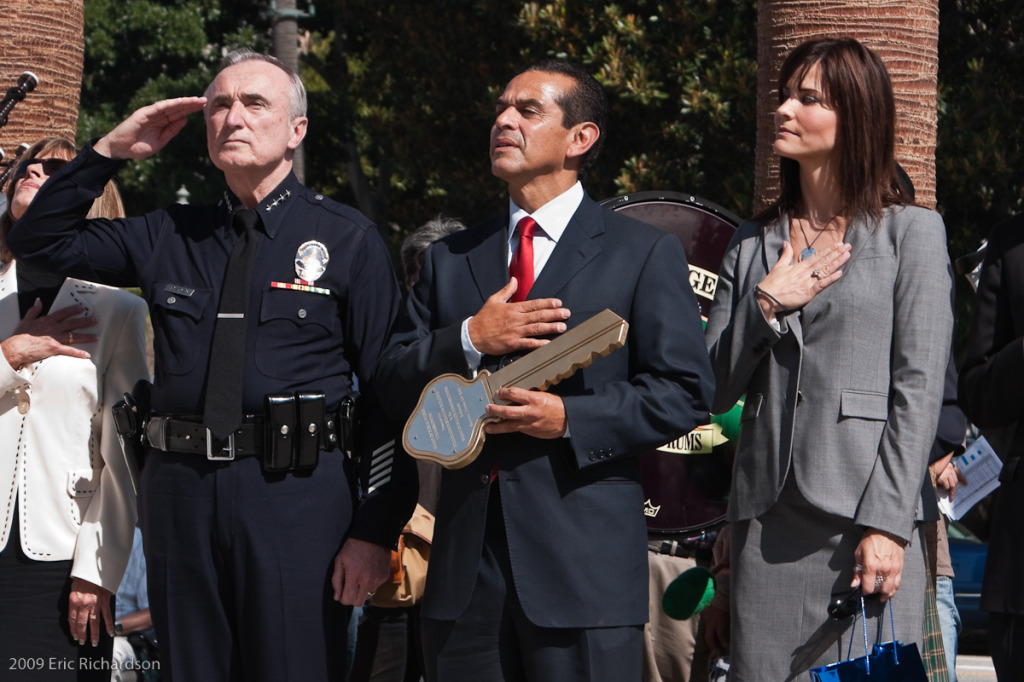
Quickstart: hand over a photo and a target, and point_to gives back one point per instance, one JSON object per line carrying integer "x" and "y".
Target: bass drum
{"x": 686, "y": 482}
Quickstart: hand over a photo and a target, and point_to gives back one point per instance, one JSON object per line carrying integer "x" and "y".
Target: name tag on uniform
{"x": 179, "y": 289}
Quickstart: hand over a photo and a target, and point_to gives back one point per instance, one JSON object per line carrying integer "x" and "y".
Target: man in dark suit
{"x": 539, "y": 565}
{"x": 990, "y": 395}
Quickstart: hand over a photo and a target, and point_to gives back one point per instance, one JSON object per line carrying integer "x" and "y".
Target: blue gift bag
{"x": 888, "y": 662}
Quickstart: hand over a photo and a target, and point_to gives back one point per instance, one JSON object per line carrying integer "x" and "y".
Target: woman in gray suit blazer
{"x": 833, "y": 317}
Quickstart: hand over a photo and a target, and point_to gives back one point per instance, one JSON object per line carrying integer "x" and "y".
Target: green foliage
{"x": 400, "y": 125}
{"x": 401, "y": 98}
{"x": 980, "y": 155}
{"x": 683, "y": 83}
{"x": 141, "y": 51}
{"x": 410, "y": 95}
{"x": 682, "y": 80}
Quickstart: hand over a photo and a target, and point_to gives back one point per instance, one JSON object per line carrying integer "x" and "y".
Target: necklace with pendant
{"x": 808, "y": 250}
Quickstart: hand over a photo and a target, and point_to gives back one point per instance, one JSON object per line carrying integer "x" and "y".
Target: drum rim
{"x": 615, "y": 203}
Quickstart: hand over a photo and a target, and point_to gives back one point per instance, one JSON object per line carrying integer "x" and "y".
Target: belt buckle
{"x": 224, "y": 454}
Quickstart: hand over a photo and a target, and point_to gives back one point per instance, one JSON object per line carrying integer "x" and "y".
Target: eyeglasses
{"x": 50, "y": 166}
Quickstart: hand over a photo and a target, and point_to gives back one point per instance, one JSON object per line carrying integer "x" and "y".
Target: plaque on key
{"x": 447, "y": 425}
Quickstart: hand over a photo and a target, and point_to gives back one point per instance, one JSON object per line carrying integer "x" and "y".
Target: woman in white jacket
{"x": 70, "y": 349}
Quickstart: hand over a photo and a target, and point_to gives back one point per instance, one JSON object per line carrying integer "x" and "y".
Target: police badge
{"x": 311, "y": 261}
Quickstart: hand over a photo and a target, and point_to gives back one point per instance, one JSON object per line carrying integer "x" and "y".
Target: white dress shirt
{"x": 552, "y": 219}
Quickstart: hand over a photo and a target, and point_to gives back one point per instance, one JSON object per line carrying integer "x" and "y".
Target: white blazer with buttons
{"x": 59, "y": 452}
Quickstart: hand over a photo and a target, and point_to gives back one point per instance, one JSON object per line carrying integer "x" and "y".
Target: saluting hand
{"x": 148, "y": 129}
{"x": 500, "y": 327}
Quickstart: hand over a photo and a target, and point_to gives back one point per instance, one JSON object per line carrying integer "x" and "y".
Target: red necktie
{"x": 521, "y": 266}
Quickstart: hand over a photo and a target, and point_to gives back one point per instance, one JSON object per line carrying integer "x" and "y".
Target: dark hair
{"x": 107, "y": 205}
{"x": 856, "y": 85}
{"x": 584, "y": 103}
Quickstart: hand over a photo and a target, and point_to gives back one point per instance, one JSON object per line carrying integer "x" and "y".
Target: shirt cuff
{"x": 473, "y": 356}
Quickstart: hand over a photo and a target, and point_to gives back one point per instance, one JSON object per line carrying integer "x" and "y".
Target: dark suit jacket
{"x": 572, "y": 506}
{"x": 949, "y": 437}
{"x": 991, "y": 381}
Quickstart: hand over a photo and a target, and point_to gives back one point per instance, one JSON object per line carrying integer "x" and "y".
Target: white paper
{"x": 980, "y": 465}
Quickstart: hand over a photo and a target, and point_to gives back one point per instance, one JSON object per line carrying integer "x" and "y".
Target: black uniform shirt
{"x": 308, "y": 329}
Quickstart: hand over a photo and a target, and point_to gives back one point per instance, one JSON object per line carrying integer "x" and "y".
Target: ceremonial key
{"x": 447, "y": 426}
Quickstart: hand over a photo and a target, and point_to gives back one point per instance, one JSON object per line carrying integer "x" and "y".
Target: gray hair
{"x": 297, "y": 94}
{"x": 414, "y": 248}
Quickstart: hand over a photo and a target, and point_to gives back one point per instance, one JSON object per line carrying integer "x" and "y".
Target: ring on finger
{"x": 858, "y": 568}
{"x": 92, "y": 616}
{"x": 879, "y": 580}
{"x": 816, "y": 274}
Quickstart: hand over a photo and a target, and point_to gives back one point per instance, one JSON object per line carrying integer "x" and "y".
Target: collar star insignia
{"x": 281, "y": 198}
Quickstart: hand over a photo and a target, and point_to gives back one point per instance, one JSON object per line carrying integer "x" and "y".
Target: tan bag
{"x": 405, "y": 585}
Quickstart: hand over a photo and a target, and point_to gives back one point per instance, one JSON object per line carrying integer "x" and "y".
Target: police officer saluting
{"x": 264, "y": 306}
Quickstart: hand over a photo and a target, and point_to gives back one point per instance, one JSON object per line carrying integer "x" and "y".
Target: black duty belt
{"x": 190, "y": 436}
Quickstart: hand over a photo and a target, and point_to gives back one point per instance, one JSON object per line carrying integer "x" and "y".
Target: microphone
{"x": 27, "y": 82}
{"x": 10, "y": 166}
{"x": 689, "y": 593}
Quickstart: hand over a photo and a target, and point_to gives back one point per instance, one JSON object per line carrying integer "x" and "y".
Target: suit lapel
{"x": 488, "y": 263}
{"x": 856, "y": 238}
{"x": 75, "y": 291}
{"x": 774, "y": 236}
{"x": 574, "y": 250}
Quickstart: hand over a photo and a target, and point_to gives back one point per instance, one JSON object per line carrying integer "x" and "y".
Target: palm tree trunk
{"x": 45, "y": 38}
{"x": 904, "y": 33}
{"x": 286, "y": 48}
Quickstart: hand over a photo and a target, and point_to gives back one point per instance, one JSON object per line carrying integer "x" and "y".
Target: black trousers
{"x": 239, "y": 565}
{"x": 388, "y": 646}
{"x": 494, "y": 641}
{"x": 1006, "y": 644}
{"x": 35, "y": 639}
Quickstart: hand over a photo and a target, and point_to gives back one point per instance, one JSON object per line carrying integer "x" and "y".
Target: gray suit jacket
{"x": 846, "y": 395}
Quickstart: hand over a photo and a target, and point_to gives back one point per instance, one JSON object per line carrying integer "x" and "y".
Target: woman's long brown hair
{"x": 856, "y": 85}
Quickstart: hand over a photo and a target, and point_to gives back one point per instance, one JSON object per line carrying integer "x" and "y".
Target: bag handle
{"x": 864, "y": 623}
